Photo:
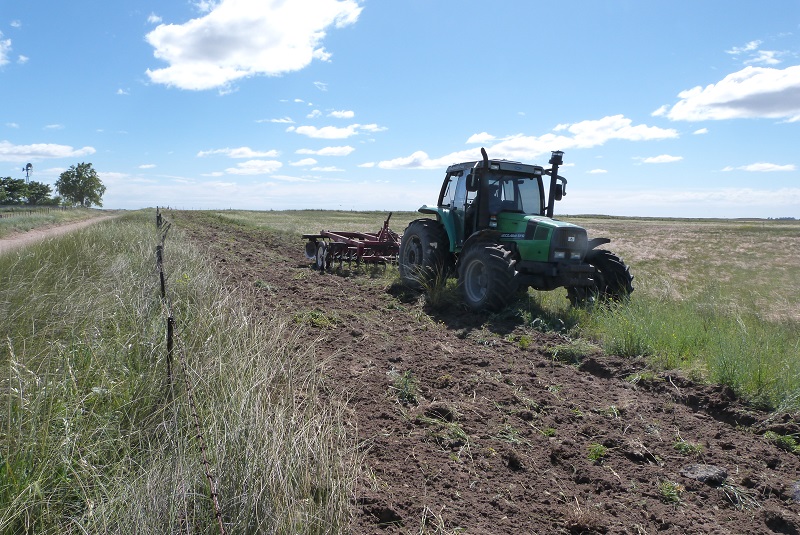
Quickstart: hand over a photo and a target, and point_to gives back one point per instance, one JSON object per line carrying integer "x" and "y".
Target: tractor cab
{"x": 476, "y": 196}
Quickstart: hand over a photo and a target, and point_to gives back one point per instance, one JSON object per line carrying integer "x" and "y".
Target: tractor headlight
{"x": 559, "y": 255}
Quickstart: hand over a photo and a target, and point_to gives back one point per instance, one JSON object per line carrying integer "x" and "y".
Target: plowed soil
{"x": 468, "y": 424}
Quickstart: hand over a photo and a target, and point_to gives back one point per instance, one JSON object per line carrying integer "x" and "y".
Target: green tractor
{"x": 494, "y": 229}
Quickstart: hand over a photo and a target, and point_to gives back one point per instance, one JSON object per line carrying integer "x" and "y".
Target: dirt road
{"x": 16, "y": 241}
{"x": 469, "y": 424}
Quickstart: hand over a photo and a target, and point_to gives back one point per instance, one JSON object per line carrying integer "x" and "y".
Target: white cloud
{"x": 328, "y": 151}
{"x": 367, "y": 165}
{"x": 664, "y": 158}
{"x": 282, "y": 120}
{"x": 700, "y": 131}
{"x": 314, "y": 114}
{"x": 372, "y": 128}
{"x": 255, "y": 167}
{"x": 597, "y": 172}
{"x": 483, "y": 137}
{"x": 762, "y": 167}
{"x": 343, "y": 114}
{"x": 5, "y": 48}
{"x": 240, "y": 152}
{"x": 242, "y": 38}
{"x": 749, "y": 47}
{"x": 582, "y": 135}
{"x": 322, "y": 86}
{"x": 330, "y": 169}
{"x": 54, "y": 127}
{"x": 753, "y": 92}
{"x": 22, "y": 60}
{"x": 20, "y": 153}
{"x": 12, "y": 125}
{"x": 147, "y": 166}
{"x": 765, "y": 57}
{"x": 16, "y": 24}
{"x": 305, "y": 162}
{"x": 335, "y": 132}
{"x": 121, "y": 91}
{"x": 154, "y": 19}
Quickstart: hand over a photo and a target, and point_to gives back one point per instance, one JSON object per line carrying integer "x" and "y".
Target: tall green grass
{"x": 93, "y": 438}
{"x": 712, "y": 337}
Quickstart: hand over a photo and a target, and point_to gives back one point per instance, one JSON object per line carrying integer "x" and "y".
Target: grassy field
{"x": 94, "y": 439}
{"x": 716, "y": 298}
{"x": 18, "y": 219}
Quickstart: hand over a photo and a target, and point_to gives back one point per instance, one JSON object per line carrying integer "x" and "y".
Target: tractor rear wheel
{"x": 487, "y": 276}
{"x": 424, "y": 253}
{"x": 612, "y": 280}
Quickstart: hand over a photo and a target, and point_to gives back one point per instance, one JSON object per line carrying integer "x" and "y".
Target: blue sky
{"x": 679, "y": 108}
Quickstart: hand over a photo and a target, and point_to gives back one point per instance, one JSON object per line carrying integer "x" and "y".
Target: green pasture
{"x": 22, "y": 219}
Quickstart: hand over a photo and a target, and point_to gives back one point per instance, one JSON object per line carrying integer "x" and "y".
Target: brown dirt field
{"x": 499, "y": 437}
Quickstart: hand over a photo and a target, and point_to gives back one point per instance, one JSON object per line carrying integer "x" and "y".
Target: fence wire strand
{"x": 181, "y": 354}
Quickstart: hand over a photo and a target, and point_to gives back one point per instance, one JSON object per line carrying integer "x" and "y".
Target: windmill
{"x": 28, "y": 170}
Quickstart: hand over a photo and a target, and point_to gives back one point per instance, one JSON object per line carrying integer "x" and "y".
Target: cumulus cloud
{"x": 483, "y": 137}
{"x": 239, "y": 152}
{"x": 154, "y": 19}
{"x": 342, "y": 114}
{"x": 241, "y": 38}
{"x": 147, "y": 166}
{"x": 305, "y": 162}
{"x": 20, "y": 153}
{"x": 582, "y": 135}
{"x": 700, "y": 131}
{"x": 753, "y": 92}
{"x": 762, "y": 167}
{"x": 5, "y": 49}
{"x": 664, "y": 158}
{"x": 328, "y": 151}
{"x": 335, "y": 132}
{"x": 255, "y": 167}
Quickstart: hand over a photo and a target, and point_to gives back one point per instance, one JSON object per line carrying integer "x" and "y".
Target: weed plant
{"x": 94, "y": 439}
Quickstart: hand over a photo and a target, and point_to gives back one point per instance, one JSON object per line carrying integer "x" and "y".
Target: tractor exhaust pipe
{"x": 556, "y": 159}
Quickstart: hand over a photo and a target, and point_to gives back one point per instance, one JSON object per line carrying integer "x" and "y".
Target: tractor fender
{"x": 596, "y": 242}
{"x": 482, "y": 235}
{"x": 445, "y": 218}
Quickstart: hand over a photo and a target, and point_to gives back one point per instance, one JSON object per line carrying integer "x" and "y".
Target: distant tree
{"x": 80, "y": 185}
{"x": 15, "y": 190}
{"x": 38, "y": 193}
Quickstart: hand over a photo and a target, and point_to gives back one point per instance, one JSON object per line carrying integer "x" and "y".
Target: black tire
{"x": 486, "y": 276}
{"x": 322, "y": 261}
{"x": 424, "y": 253}
{"x": 612, "y": 280}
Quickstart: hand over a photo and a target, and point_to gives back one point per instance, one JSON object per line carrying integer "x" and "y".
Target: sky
{"x": 670, "y": 108}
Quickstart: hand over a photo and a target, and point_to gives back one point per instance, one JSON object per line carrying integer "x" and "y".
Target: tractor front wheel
{"x": 612, "y": 280}
{"x": 487, "y": 277}
{"x": 424, "y": 254}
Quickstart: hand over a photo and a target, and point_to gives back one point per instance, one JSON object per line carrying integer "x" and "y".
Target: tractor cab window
{"x": 513, "y": 193}
{"x": 450, "y": 189}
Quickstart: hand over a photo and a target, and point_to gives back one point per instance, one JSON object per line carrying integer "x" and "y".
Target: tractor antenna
{"x": 485, "y": 158}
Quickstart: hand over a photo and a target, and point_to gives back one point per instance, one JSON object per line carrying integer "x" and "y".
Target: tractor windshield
{"x": 515, "y": 193}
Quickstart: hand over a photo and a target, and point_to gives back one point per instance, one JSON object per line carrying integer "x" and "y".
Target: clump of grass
{"x": 404, "y": 386}
{"x": 573, "y": 351}
{"x": 93, "y": 435}
{"x": 687, "y": 448}
{"x": 784, "y": 442}
{"x": 670, "y": 491}
{"x": 316, "y": 318}
{"x": 597, "y": 452}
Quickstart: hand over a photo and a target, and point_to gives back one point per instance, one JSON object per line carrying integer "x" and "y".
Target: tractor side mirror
{"x": 473, "y": 181}
{"x": 559, "y": 192}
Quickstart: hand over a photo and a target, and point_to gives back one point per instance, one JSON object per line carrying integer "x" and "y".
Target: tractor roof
{"x": 501, "y": 165}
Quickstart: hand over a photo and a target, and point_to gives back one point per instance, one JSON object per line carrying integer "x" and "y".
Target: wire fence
{"x": 8, "y": 211}
{"x": 163, "y": 226}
